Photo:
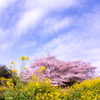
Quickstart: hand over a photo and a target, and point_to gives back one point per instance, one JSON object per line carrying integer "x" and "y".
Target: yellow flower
{"x": 28, "y": 76}
{"x": 10, "y": 66}
{"x": 16, "y": 73}
{"x": 16, "y": 70}
{"x": 25, "y": 68}
{"x": 43, "y": 68}
{"x": 9, "y": 72}
{"x": 20, "y": 89}
{"x": 12, "y": 62}
{"x": 32, "y": 75}
{"x": 8, "y": 83}
{"x": 13, "y": 70}
{"x": 22, "y": 58}
{"x": 28, "y": 92}
{"x": 39, "y": 71}
{"x": 26, "y": 58}
{"x": 48, "y": 80}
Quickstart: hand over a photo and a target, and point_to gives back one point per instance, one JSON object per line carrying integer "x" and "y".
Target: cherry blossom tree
{"x": 59, "y": 72}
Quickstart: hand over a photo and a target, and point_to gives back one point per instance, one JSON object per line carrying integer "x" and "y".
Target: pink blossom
{"x": 59, "y": 71}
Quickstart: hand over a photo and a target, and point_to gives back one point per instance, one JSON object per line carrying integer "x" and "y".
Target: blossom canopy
{"x": 59, "y": 72}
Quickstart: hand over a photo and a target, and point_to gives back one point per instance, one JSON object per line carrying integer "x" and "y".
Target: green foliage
{"x": 2, "y": 98}
{"x": 4, "y": 72}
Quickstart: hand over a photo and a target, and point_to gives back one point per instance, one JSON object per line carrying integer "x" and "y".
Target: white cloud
{"x": 52, "y": 25}
{"x": 49, "y": 5}
{"x": 68, "y": 47}
{"x": 93, "y": 53}
{"x": 33, "y": 12}
{"x": 3, "y": 34}
{"x": 4, "y": 46}
{"x": 61, "y": 45}
{"x": 36, "y": 10}
{"x": 89, "y": 22}
{"x": 5, "y": 3}
{"x": 29, "y": 19}
{"x": 28, "y": 44}
{"x": 6, "y": 39}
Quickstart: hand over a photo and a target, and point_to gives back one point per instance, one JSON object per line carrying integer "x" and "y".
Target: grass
{"x": 34, "y": 90}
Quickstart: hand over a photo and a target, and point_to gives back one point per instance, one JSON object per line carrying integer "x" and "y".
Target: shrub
{"x": 4, "y": 72}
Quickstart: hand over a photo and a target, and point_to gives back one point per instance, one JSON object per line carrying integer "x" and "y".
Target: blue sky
{"x": 67, "y": 29}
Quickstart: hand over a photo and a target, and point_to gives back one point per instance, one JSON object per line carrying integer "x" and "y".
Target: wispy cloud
{"x": 37, "y": 10}
{"x": 3, "y": 34}
{"x": 5, "y": 3}
{"x": 49, "y": 5}
{"x": 52, "y": 25}
{"x": 28, "y": 44}
{"x": 35, "y": 13}
{"x": 29, "y": 19}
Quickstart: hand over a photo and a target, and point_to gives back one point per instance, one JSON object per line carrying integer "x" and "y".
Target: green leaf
{"x": 9, "y": 98}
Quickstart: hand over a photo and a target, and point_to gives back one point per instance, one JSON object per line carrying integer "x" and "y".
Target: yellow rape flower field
{"x": 37, "y": 89}
{"x": 43, "y": 90}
